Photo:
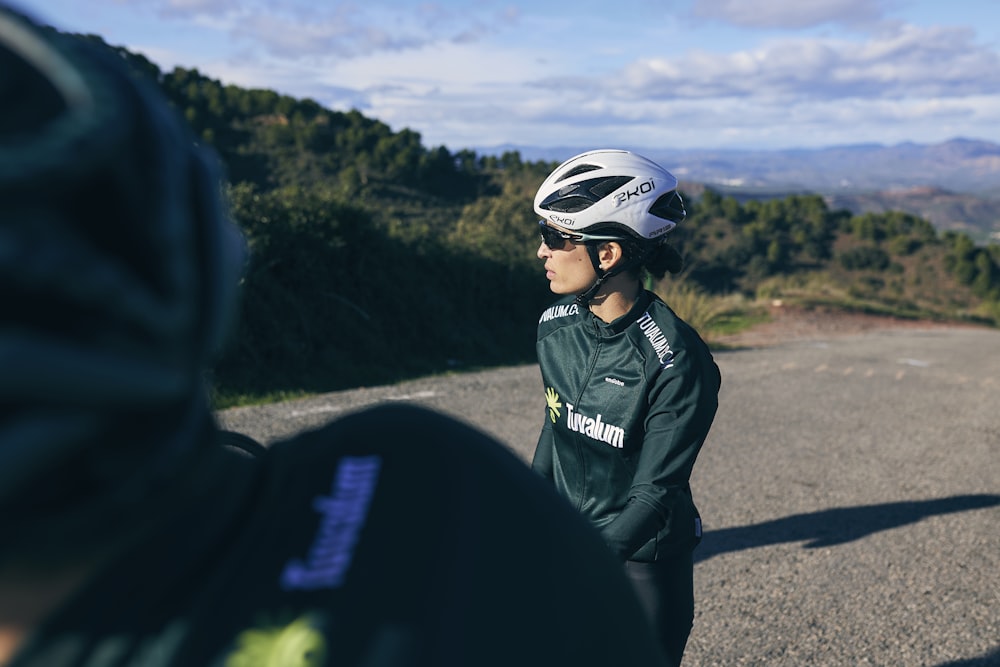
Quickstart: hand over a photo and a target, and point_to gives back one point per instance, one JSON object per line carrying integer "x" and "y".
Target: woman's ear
{"x": 610, "y": 254}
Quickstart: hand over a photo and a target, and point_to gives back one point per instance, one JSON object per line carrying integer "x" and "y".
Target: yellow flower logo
{"x": 298, "y": 644}
{"x": 552, "y": 398}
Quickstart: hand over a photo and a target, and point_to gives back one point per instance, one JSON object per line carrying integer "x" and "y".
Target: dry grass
{"x": 703, "y": 311}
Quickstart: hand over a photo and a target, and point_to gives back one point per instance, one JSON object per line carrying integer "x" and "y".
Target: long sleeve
{"x": 637, "y": 524}
{"x": 541, "y": 462}
{"x": 682, "y": 405}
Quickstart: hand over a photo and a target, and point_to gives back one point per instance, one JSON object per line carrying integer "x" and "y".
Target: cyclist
{"x": 631, "y": 389}
{"x": 129, "y": 535}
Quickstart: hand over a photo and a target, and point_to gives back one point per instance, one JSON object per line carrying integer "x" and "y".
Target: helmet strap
{"x": 584, "y": 298}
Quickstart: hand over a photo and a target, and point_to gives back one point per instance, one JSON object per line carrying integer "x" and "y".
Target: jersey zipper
{"x": 593, "y": 361}
{"x": 580, "y": 454}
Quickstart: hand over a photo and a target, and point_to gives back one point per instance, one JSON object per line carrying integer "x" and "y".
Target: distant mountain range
{"x": 959, "y": 165}
{"x": 954, "y": 184}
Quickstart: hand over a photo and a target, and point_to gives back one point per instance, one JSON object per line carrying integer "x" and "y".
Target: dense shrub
{"x": 864, "y": 258}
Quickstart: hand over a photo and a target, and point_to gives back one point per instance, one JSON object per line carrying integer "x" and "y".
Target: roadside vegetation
{"x": 375, "y": 259}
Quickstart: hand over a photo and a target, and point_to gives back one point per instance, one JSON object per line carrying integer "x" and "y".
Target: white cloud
{"x": 773, "y": 74}
{"x": 179, "y": 9}
{"x": 343, "y": 29}
{"x": 941, "y": 62}
{"x": 785, "y": 92}
{"x": 789, "y": 14}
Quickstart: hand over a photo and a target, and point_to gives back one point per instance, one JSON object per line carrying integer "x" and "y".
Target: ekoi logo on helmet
{"x": 639, "y": 190}
{"x": 561, "y": 220}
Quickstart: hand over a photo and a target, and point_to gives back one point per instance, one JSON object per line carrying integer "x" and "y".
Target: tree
{"x": 865, "y": 258}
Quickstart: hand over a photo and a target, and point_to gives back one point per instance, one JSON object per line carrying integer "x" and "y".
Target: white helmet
{"x": 611, "y": 188}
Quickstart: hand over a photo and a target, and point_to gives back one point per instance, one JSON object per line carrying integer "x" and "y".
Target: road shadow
{"x": 835, "y": 526}
{"x": 991, "y": 659}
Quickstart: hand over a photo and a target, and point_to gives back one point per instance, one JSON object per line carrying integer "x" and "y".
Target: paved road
{"x": 850, "y": 490}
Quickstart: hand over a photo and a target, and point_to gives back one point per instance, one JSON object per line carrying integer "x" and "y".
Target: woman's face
{"x": 568, "y": 269}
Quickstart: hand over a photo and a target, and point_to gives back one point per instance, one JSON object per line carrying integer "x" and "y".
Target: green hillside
{"x": 376, "y": 258}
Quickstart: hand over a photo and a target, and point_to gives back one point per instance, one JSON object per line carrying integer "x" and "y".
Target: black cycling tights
{"x": 666, "y": 592}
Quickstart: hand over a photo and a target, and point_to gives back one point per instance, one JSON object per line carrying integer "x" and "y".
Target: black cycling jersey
{"x": 628, "y": 406}
{"x": 394, "y": 536}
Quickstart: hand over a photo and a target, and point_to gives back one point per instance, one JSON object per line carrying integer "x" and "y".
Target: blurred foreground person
{"x": 130, "y": 536}
{"x": 631, "y": 389}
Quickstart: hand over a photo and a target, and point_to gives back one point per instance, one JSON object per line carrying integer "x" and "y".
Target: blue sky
{"x": 661, "y": 74}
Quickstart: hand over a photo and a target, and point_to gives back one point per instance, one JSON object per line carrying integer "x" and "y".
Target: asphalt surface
{"x": 850, "y": 491}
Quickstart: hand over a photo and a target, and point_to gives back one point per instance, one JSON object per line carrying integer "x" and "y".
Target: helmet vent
{"x": 579, "y": 169}
{"x": 576, "y": 197}
{"x": 571, "y": 204}
{"x": 608, "y": 185}
{"x": 669, "y": 206}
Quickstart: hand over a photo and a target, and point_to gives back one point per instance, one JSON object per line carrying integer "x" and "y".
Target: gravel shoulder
{"x": 790, "y": 324}
{"x": 850, "y": 488}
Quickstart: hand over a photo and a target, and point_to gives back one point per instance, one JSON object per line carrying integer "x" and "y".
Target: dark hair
{"x": 656, "y": 258}
{"x": 663, "y": 259}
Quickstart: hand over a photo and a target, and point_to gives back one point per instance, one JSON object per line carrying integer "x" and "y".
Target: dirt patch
{"x": 791, "y": 323}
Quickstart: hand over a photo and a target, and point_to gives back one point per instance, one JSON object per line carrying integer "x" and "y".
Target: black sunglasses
{"x": 556, "y": 239}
